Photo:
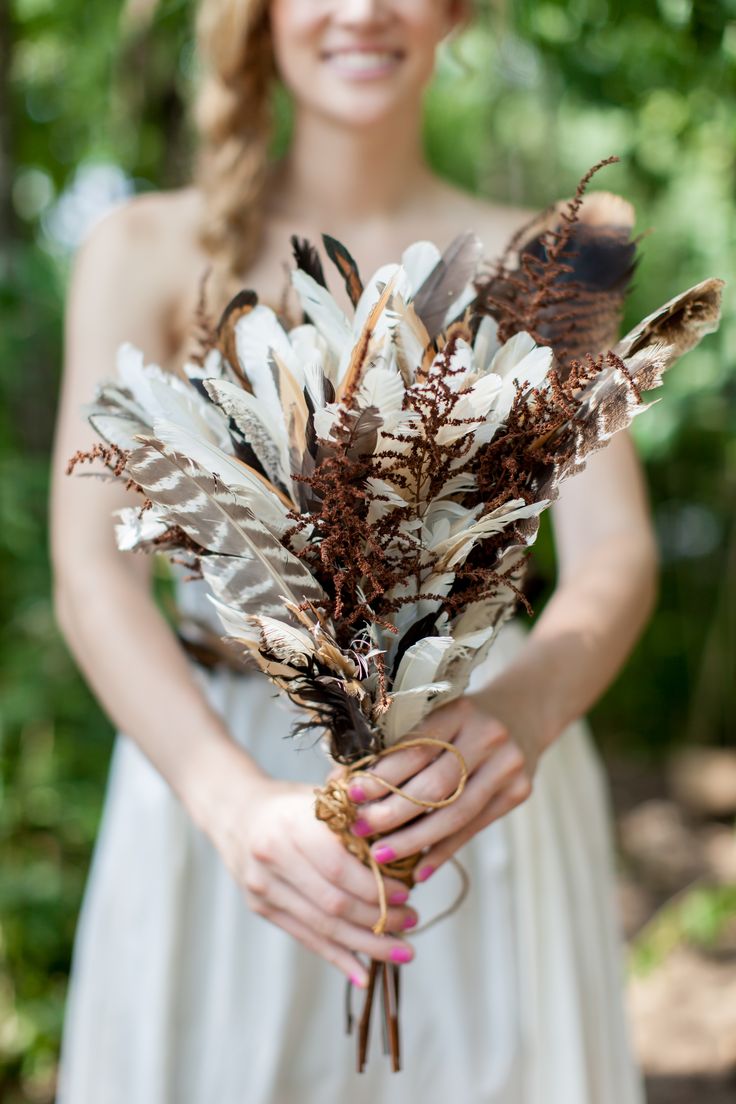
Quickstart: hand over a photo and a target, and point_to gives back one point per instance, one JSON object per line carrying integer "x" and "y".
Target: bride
{"x": 220, "y": 917}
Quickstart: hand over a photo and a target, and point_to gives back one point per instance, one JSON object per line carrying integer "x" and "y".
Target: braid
{"x": 232, "y": 112}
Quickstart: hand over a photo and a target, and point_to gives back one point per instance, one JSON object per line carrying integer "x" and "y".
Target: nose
{"x": 361, "y": 11}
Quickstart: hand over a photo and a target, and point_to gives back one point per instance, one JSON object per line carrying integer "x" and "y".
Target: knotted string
{"x": 336, "y": 808}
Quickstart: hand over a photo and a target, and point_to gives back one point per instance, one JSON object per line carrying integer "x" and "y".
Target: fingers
{"x": 495, "y": 774}
{"x": 477, "y": 740}
{"x": 335, "y": 900}
{"x": 349, "y": 963}
{"x": 442, "y": 724}
{"x": 321, "y": 849}
{"x": 505, "y": 800}
{"x": 395, "y": 768}
{"x": 279, "y": 896}
{"x": 435, "y": 783}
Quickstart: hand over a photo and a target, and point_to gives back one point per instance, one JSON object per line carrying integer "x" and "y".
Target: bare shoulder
{"x": 155, "y": 225}
{"x": 494, "y": 222}
{"x": 145, "y": 247}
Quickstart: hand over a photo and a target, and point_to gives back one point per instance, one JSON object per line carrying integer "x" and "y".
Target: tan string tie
{"x": 336, "y": 808}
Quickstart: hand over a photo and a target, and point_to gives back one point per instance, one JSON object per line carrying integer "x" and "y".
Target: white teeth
{"x": 362, "y": 60}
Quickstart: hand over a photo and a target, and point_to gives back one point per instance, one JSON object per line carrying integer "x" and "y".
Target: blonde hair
{"x": 233, "y": 115}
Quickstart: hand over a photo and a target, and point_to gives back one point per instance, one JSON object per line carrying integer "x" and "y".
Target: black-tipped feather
{"x": 346, "y": 266}
{"x": 307, "y": 259}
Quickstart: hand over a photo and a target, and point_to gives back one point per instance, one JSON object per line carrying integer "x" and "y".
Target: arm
{"x": 103, "y": 604}
{"x": 292, "y": 868}
{"x": 604, "y": 595}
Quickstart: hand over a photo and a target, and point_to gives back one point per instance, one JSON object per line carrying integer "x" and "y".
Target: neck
{"x": 333, "y": 171}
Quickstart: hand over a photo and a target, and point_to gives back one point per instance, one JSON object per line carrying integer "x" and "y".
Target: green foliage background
{"x": 523, "y": 104}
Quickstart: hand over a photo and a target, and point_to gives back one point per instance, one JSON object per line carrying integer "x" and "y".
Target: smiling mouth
{"x": 363, "y": 62}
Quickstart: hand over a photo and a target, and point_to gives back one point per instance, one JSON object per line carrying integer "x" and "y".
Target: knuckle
{"x": 256, "y": 905}
{"x": 325, "y": 924}
{"x": 334, "y": 903}
{"x": 464, "y": 706}
{"x": 382, "y": 816}
{"x": 438, "y": 787}
{"x": 491, "y": 735}
{"x": 515, "y": 760}
{"x": 333, "y": 866}
{"x": 456, "y": 819}
{"x": 475, "y": 804}
{"x": 522, "y": 787}
{"x": 434, "y": 787}
{"x": 254, "y": 882}
{"x": 263, "y": 849}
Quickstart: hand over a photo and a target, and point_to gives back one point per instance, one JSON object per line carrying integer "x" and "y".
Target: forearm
{"x": 142, "y": 678}
{"x": 582, "y": 638}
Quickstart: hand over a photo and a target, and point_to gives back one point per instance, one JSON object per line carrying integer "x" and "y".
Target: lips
{"x": 339, "y": 51}
{"x": 363, "y": 61}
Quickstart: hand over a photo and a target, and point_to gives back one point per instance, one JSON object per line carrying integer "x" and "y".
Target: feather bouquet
{"x": 360, "y": 493}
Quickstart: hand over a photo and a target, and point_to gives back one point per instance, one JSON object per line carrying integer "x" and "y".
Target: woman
{"x": 212, "y": 882}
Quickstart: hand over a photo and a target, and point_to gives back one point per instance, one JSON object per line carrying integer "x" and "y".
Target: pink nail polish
{"x": 358, "y": 981}
{"x": 424, "y": 873}
{"x": 384, "y": 854}
{"x": 401, "y": 954}
{"x": 356, "y": 793}
{"x": 361, "y": 827}
{"x": 400, "y": 897}
{"x": 410, "y": 921}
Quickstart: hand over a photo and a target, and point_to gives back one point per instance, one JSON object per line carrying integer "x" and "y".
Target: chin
{"x": 362, "y": 104}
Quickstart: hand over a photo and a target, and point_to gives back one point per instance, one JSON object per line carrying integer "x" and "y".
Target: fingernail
{"x": 356, "y": 792}
{"x": 361, "y": 827}
{"x": 399, "y": 897}
{"x": 424, "y": 873}
{"x": 358, "y": 981}
{"x": 410, "y": 921}
{"x": 401, "y": 954}
{"x": 383, "y": 854}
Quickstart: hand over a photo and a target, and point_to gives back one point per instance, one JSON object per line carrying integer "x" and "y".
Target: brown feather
{"x": 241, "y": 304}
{"x": 346, "y": 266}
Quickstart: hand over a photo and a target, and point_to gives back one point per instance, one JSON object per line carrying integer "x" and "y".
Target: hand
{"x": 296, "y": 873}
{"x": 500, "y": 772}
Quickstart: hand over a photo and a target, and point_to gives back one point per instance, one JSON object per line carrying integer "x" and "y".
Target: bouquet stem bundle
{"x": 335, "y": 807}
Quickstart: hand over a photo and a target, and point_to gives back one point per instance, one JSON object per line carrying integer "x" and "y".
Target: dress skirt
{"x": 180, "y": 995}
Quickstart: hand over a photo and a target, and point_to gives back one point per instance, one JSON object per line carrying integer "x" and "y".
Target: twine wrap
{"x": 336, "y": 808}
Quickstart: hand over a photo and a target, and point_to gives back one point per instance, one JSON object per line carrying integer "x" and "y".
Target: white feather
{"x": 256, "y": 335}
{"x": 457, "y": 306}
{"x": 456, "y": 548}
{"x": 531, "y": 370}
{"x": 408, "y": 708}
{"x": 420, "y": 662}
{"x": 383, "y": 388}
{"x": 136, "y": 528}
{"x": 288, "y": 643}
{"x": 373, "y": 290}
{"x": 314, "y": 377}
{"x": 485, "y": 345}
{"x": 239, "y": 625}
{"x": 323, "y": 311}
{"x": 477, "y": 403}
{"x": 457, "y": 374}
{"x": 419, "y": 259}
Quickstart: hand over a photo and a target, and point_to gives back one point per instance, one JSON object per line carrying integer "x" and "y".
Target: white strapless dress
{"x": 180, "y": 995}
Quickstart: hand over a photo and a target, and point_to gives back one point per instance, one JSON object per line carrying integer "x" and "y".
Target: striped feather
{"x": 268, "y": 440}
{"x": 217, "y": 520}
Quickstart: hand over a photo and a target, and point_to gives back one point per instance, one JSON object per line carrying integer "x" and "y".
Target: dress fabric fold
{"x": 180, "y": 995}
